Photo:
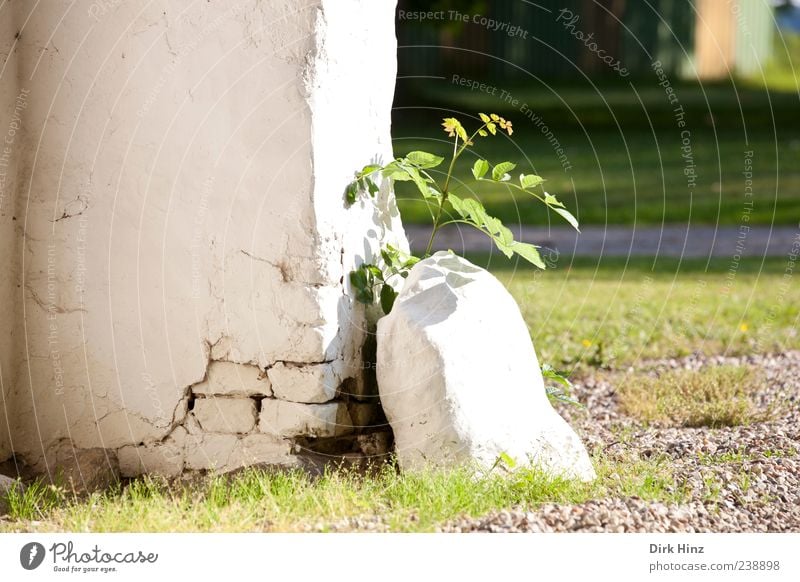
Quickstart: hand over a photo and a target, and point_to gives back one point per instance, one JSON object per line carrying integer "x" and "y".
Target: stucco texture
{"x": 174, "y": 200}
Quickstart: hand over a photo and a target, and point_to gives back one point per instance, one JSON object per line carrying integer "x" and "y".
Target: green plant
{"x": 444, "y": 206}
{"x": 560, "y": 393}
{"x": 367, "y": 277}
{"x": 35, "y": 500}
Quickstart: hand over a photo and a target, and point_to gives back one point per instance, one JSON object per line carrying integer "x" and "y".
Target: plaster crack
{"x": 280, "y": 266}
{"x": 51, "y": 307}
{"x": 74, "y": 208}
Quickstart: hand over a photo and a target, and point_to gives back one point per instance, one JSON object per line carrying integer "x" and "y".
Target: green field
{"x": 622, "y": 152}
{"x": 617, "y": 313}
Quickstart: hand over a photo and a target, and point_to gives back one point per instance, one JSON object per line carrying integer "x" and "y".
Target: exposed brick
{"x": 225, "y": 415}
{"x": 311, "y": 383}
{"x": 230, "y": 379}
{"x": 261, "y": 449}
{"x": 291, "y": 419}
{"x": 209, "y": 451}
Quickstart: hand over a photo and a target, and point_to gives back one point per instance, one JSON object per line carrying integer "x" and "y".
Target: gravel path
{"x": 673, "y": 240}
{"x": 740, "y": 479}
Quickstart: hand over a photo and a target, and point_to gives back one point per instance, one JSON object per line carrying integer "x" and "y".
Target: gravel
{"x": 737, "y": 479}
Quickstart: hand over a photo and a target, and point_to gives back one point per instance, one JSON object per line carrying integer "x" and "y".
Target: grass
{"x": 616, "y": 312}
{"x": 715, "y": 396}
{"x": 624, "y": 154}
{"x": 258, "y": 500}
{"x": 738, "y": 456}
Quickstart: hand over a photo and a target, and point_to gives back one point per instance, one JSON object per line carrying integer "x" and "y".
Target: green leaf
{"x": 558, "y": 207}
{"x": 424, "y": 160}
{"x": 458, "y": 205}
{"x": 492, "y": 128}
{"x": 366, "y": 170}
{"x": 396, "y": 172}
{"x": 388, "y": 295}
{"x": 508, "y": 460}
{"x": 503, "y": 248}
{"x": 530, "y": 181}
{"x": 568, "y": 217}
{"x": 480, "y": 168}
{"x": 433, "y": 193}
{"x": 388, "y": 256}
{"x": 474, "y": 212}
{"x": 403, "y": 172}
{"x": 550, "y": 373}
{"x": 411, "y": 261}
{"x": 374, "y": 271}
{"x": 420, "y": 182}
{"x": 558, "y": 395}
{"x": 528, "y": 252}
{"x": 484, "y": 118}
{"x": 500, "y": 171}
{"x": 351, "y": 193}
{"x": 362, "y": 282}
{"x": 372, "y": 186}
{"x": 551, "y": 200}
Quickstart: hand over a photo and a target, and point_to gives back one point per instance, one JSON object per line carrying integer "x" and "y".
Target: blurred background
{"x": 610, "y": 143}
{"x": 668, "y": 127}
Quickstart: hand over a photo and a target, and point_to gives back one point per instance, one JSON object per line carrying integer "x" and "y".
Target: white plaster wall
{"x": 350, "y": 96}
{"x": 180, "y": 201}
{"x": 11, "y": 127}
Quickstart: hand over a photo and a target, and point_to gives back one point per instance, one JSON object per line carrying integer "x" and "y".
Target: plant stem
{"x": 456, "y": 154}
{"x": 443, "y": 198}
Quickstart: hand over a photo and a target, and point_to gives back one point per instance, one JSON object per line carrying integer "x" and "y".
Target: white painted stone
{"x": 459, "y": 379}
{"x": 313, "y": 383}
{"x": 227, "y": 415}
{"x": 230, "y": 379}
{"x": 292, "y": 419}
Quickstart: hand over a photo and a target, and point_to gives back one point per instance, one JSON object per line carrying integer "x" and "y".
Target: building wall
{"x": 12, "y": 120}
{"x": 183, "y": 240}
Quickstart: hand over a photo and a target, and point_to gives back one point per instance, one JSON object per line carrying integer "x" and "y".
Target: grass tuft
{"x": 714, "y": 397}
{"x": 34, "y": 501}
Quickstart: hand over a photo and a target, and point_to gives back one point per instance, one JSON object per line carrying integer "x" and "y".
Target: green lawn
{"x": 624, "y": 155}
{"x": 258, "y": 500}
{"x": 616, "y": 313}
